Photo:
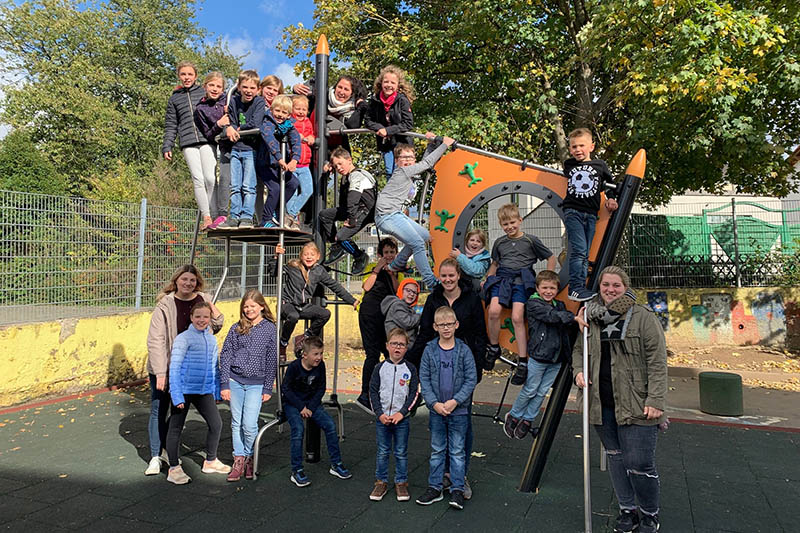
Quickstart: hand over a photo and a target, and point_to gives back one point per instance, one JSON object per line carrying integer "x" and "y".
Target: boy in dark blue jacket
{"x": 302, "y": 389}
{"x": 548, "y": 346}
{"x": 276, "y": 128}
{"x": 447, "y": 376}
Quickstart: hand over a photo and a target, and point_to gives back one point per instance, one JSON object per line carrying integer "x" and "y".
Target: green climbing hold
{"x": 444, "y": 215}
{"x": 507, "y": 324}
{"x": 469, "y": 170}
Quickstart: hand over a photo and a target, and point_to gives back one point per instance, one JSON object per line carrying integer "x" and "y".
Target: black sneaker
{"x": 627, "y": 521}
{"x": 430, "y": 496}
{"x": 509, "y": 425}
{"x": 360, "y": 262}
{"x": 335, "y": 252}
{"x": 520, "y": 374}
{"x": 230, "y": 223}
{"x": 522, "y": 429}
{"x": 534, "y": 431}
{"x": 649, "y": 523}
{"x": 363, "y": 403}
{"x": 582, "y": 295}
{"x": 492, "y": 354}
{"x": 457, "y": 499}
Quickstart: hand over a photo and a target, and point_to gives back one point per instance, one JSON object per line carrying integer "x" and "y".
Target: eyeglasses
{"x": 407, "y": 157}
{"x": 410, "y": 290}
{"x": 397, "y": 344}
{"x": 446, "y": 325}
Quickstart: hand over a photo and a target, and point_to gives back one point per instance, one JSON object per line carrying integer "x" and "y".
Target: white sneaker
{"x": 178, "y": 476}
{"x": 215, "y": 467}
{"x": 153, "y": 467}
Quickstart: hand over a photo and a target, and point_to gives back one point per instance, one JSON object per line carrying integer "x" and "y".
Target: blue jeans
{"x": 325, "y": 423}
{"x": 467, "y": 444}
{"x": 388, "y": 163}
{"x": 385, "y": 434}
{"x": 415, "y": 238}
{"x": 580, "y": 231}
{"x": 245, "y": 407}
{"x": 243, "y": 184}
{"x": 159, "y": 416}
{"x": 296, "y": 202}
{"x": 631, "y": 452}
{"x": 540, "y": 378}
{"x": 448, "y": 436}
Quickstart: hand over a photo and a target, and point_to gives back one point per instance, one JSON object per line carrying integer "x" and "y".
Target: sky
{"x": 254, "y": 27}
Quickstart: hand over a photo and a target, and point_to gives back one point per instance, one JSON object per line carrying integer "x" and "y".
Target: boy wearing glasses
{"x": 392, "y": 392}
{"x": 389, "y": 217}
{"x": 447, "y": 377}
{"x": 399, "y": 309}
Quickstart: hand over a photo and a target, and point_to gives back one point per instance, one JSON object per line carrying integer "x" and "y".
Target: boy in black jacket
{"x": 548, "y": 346}
{"x": 303, "y": 388}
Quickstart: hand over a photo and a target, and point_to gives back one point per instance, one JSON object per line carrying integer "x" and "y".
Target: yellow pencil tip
{"x": 637, "y": 165}
{"x": 322, "y": 45}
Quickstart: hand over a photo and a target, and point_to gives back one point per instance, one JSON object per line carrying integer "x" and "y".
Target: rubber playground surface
{"x": 78, "y": 464}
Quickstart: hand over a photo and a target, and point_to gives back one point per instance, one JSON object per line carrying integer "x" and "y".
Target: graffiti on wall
{"x": 657, "y": 301}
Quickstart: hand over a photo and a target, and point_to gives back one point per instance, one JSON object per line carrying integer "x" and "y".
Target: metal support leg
{"x": 194, "y": 237}
{"x": 603, "y": 458}
{"x": 496, "y": 417}
{"x": 225, "y": 266}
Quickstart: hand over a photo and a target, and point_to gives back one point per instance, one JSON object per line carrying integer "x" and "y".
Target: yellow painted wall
{"x": 74, "y": 355}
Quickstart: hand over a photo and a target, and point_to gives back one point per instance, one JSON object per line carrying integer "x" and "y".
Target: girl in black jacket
{"x": 389, "y": 112}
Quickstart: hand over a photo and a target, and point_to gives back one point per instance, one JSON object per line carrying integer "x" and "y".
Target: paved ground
{"x": 78, "y": 465}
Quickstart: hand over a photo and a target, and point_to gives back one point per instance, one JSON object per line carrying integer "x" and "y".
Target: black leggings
{"x": 207, "y": 407}
{"x": 373, "y": 338}
{"x": 290, "y": 314}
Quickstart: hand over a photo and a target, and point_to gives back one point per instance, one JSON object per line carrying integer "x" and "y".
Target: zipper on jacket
{"x": 394, "y": 380}
{"x": 191, "y": 112}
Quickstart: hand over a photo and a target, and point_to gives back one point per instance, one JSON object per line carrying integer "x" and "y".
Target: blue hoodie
{"x": 193, "y": 365}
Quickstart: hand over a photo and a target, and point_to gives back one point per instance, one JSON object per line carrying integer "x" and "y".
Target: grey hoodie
{"x": 395, "y": 192}
{"x": 400, "y": 315}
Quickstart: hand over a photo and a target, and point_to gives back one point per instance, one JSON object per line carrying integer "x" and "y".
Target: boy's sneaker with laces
{"x": 522, "y": 429}
{"x": 379, "y": 491}
{"x": 229, "y": 223}
{"x": 246, "y": 223}
{"x": 153, "y": 467}
{"x": 217, "y": 221}
{"x": 401, "y": 489}
{"x": 300, "y": 478}
{"x": 430, "y": 496}
{"x": 335, "y": 252}
{"x": 492, "y": 354}
{"x": 178, "y": 476}
{"x": 649, "y": 523}
{"x": 457, "y": 499}
{"x": 360, "y": 262}
{"x": 340, "y": 471}
{"x": 509, "y": 425}
{"x": 581, "y": 295}
{"x": 627, "y": 521}
{"x": 520, "y": 373}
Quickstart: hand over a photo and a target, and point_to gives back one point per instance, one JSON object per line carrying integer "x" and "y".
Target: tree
{"x": 24, "y": 168}
{"x": 94, "y": 78}
{"x": 710, "y": 89}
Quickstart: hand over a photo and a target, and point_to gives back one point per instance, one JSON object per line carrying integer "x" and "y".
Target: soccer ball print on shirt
{"x": 583, "y": 182}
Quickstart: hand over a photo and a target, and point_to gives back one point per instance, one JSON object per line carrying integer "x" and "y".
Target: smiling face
{"x": 410, "y": 292}
{"x": 448, "y": 277}
{"x": 249, "y": 89}
{"x": 299, "y": 109}
{"x": 343, "y": 90}
{"x": 474, "y": 243}
{"x": 280, "y": 114}
{"x": 214, "y": 88}
{"x": 312, "y": 358}
{"x": 611, "y": 288}
{"x": 269, "y": 92}
{"x": 581, "y": 147}
{"x": 389, "y": 84}
{"x": 185, "y": 285}
{"x": 252, "y": 311}
{"x": 511, "y": 226}
{"x": 405, "y": 158}
{"x": 187, "y": 76}
{"x": 397, "y": 347}
{"x": 389, "y": 253}
{"x": 201, "y": 317}
{"x": 547, "y": 290}
{"x": 309, "y": 256}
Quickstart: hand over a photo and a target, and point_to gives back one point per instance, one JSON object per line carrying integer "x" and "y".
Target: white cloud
{"x": 285, "y": 72}
{"x": 252, "y": 53}
{"x": 275, "y": 9}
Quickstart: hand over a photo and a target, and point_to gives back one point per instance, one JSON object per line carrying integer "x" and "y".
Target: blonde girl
{"x": 389, "y": 112}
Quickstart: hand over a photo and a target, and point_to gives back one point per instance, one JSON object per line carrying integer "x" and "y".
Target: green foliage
{"x": 24, "y": 168}
{"x": 96, "y": 76}
{"x": 709, "y": 89}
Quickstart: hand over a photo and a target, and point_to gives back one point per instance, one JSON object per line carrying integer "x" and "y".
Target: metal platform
{"x": 263, "y": 236}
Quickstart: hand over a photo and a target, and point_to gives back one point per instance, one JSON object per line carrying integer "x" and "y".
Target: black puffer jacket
{"x": 298, "y": 292}
{"x": 548, "y": 330}
{"x": 179, "y": 120}
{"x": 398, "y": 119}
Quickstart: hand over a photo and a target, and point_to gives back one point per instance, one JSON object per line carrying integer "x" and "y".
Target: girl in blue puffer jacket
{"x": 194, "y": 378}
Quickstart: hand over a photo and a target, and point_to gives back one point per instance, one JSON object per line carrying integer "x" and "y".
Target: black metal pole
{"x": 626, "y": 196}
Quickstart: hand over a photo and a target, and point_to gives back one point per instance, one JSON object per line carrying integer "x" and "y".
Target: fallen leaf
{"x": 62, "y": 475}
{"x": 478, "y": 454}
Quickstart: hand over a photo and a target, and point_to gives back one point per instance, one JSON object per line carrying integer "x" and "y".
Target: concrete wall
{"x": 756, "y": 315}
{"x": 73, "y": 355}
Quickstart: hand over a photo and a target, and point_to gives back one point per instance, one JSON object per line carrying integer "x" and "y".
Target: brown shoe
{"x": 248, "y": 468}
{"x": 401, "y": 489}
{"x": 281, "y": 353}
{"x": 238, "y": 468}
{"x": 298, "y": 345}
{"x": 379, "y": 491}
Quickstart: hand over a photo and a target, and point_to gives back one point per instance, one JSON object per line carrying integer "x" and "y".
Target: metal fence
{"x": 63, "y": 257}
